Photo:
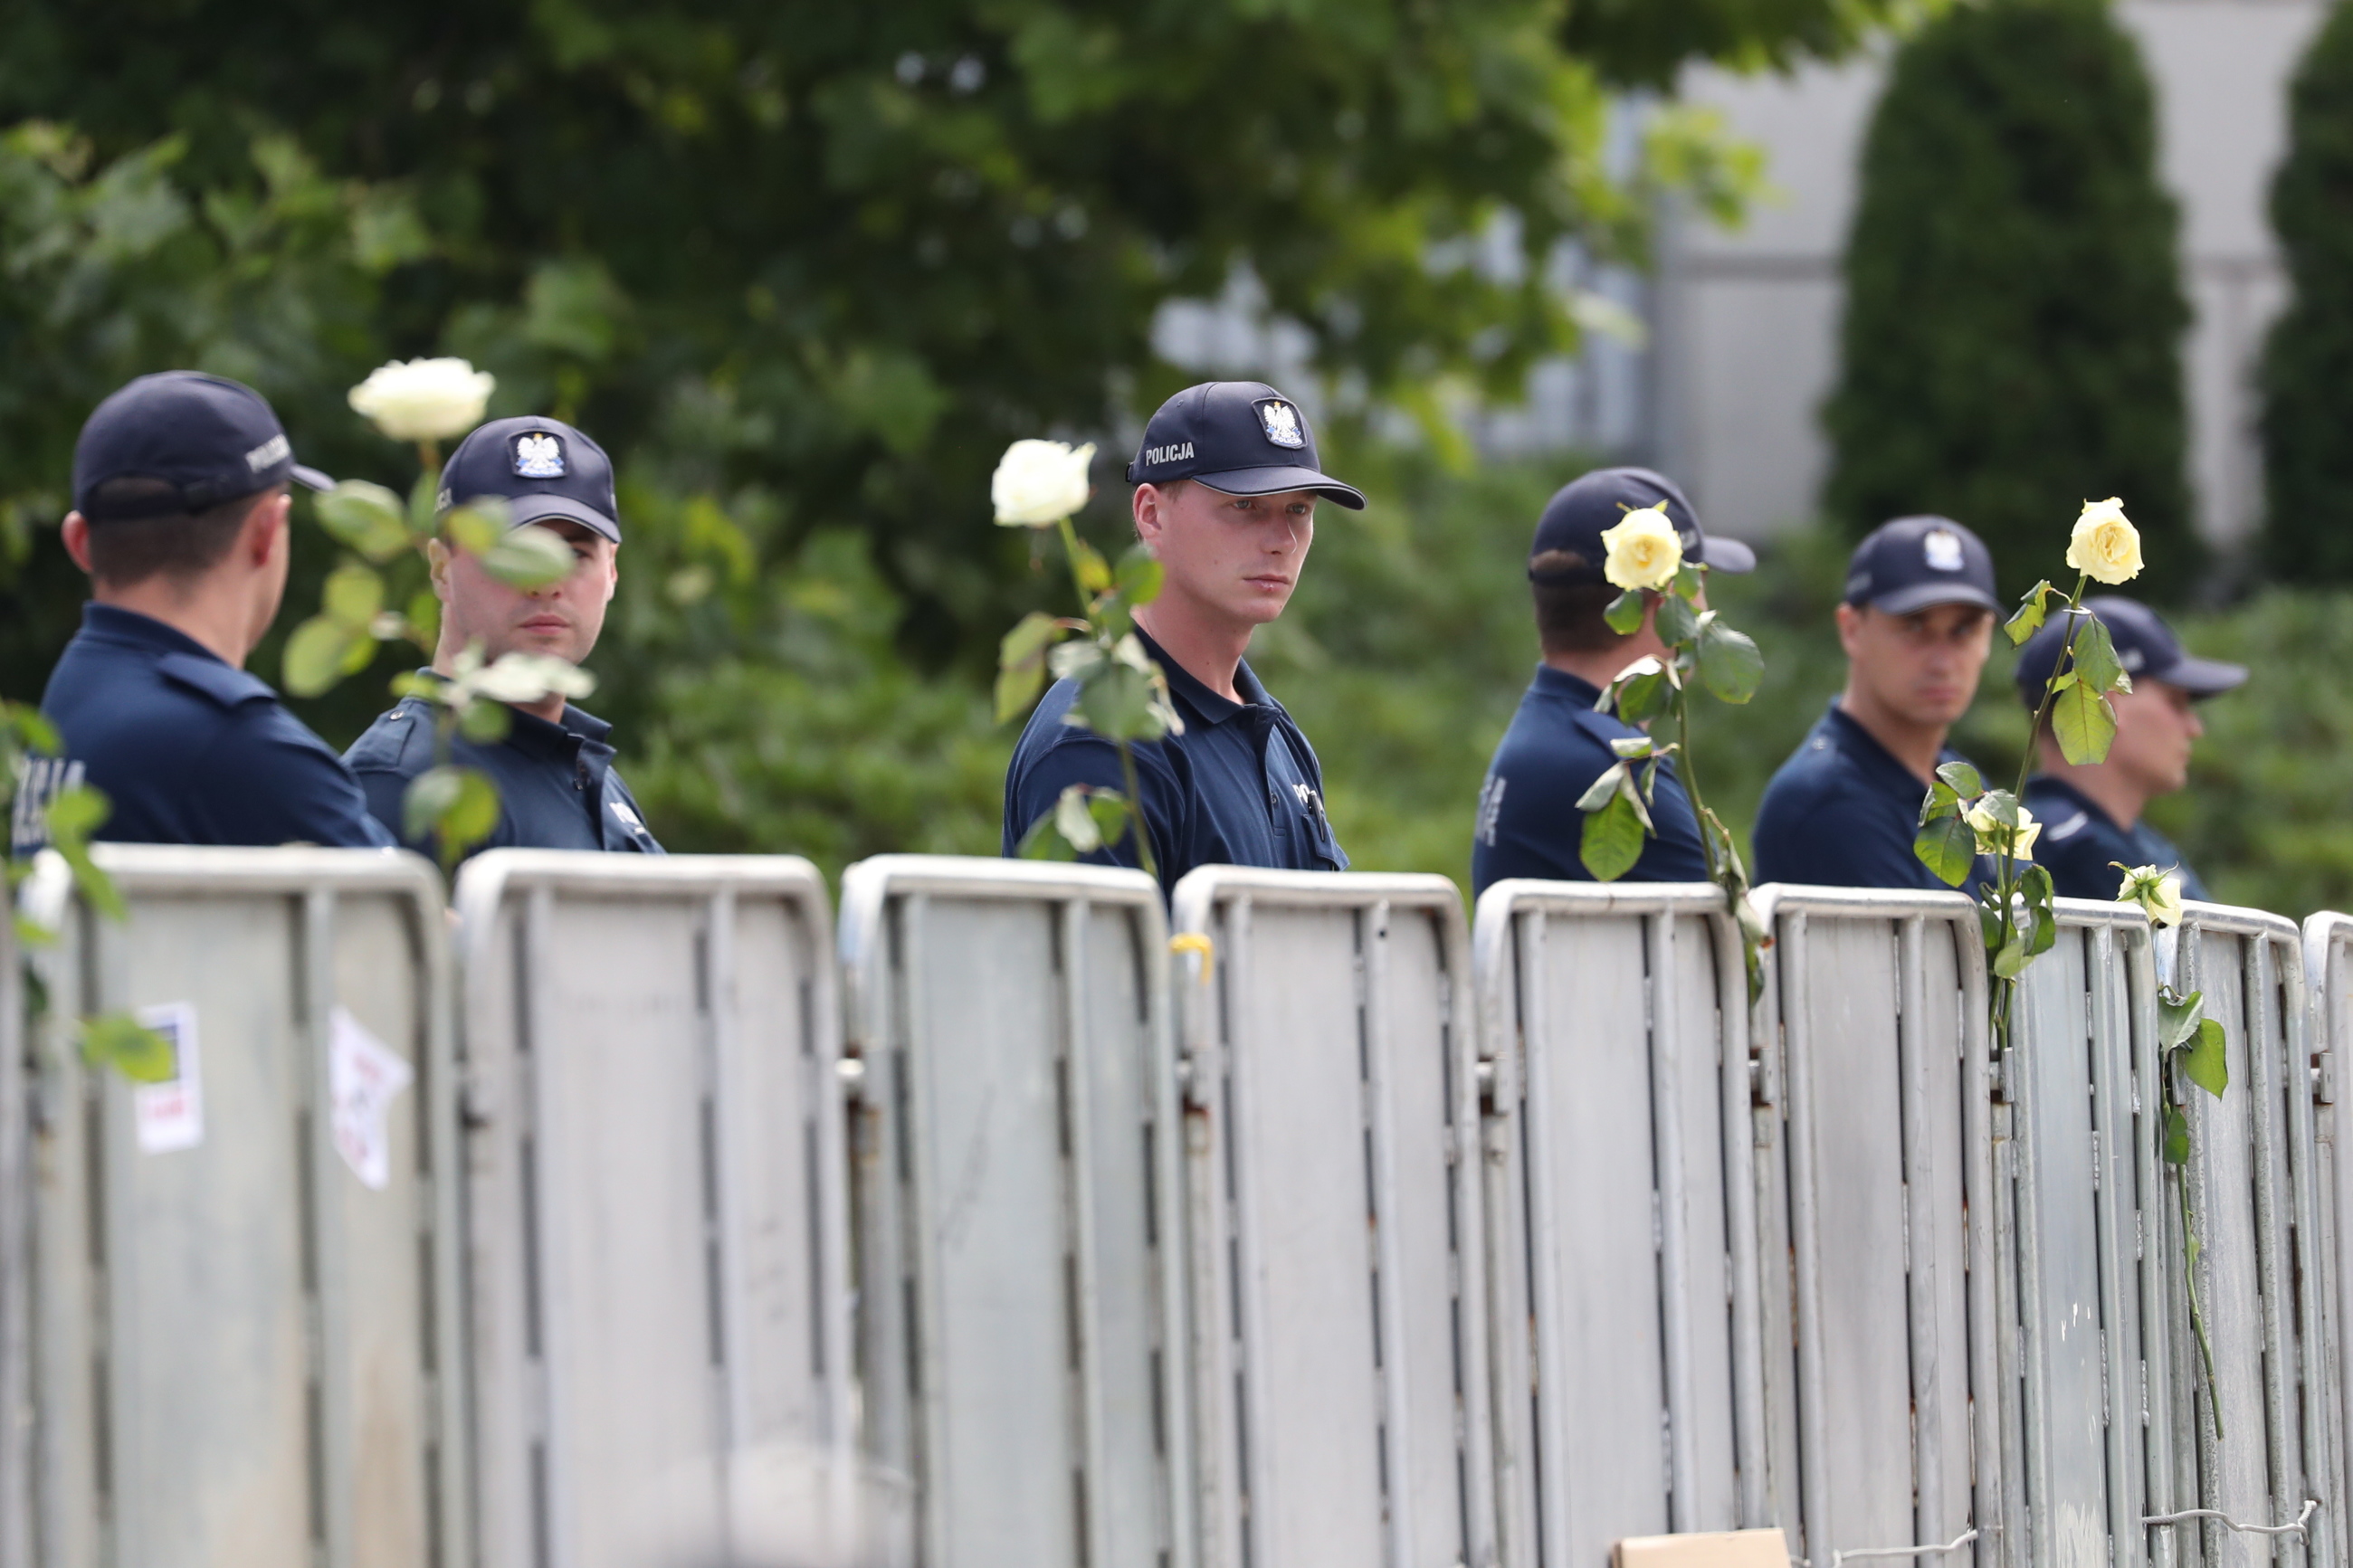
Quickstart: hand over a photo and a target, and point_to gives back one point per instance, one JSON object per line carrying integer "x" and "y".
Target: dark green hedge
{"x": 2014, "y": 306}
{"x": 2307, "y": 372}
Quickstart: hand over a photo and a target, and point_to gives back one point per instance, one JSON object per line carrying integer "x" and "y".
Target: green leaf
{"x": 2039, "y": 890}
{"x": 1093, "y": 571}
{"x": 1075, "y": 823}
{"x": 1948, "y": 847}
{"x": 37, "y": 733}
{"x": 1678, "y": 622}
{"x": 456, "y": 806}
{"x": 1633, "y": 746}
{"x": 425, "y": 619}
{"x": 2096, "y": 664}
{"x": 2207, "y": 1062}
{"x": 1638, "y": 698}
{"x": 1044, "y": 841}
{"x": 1599, "y": 793}
{"x": 486, "y": 723}
{"x": 2178, "y": 1017}
{"x": 2000, "y": 804}
{"x": 1624, "y": 614}
{"x": 423, "y": 497}
{"x": 1687, "y": 582}
{"x": 318, "y": 654}
{"x": 2084, "y": 724}
{"x": 2027, "y": 621}
{"x": 1730, "y": 663}
{"x": 475, "y": 527}
{"x": 2013, "y": 956}
{"x": 1115, "y": 701}
{"x": 368, "y": 518}
{"x": 1021, "y": 662}
{"x": 121, "y": 1042}
{"x": 1962, "y": 778}
{"x": 352, "y": 595}
{"x": 528, "y": 557}
{"x": 1612, "y": 840}
{"x": 2174, "y": 1143}
{"x": 71, "y": 817}
{"x": 1140, "y": 573}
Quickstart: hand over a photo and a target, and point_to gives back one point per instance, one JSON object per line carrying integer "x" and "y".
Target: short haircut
{"x": 1571, "y": 617}
{"x": 175, "y": 544}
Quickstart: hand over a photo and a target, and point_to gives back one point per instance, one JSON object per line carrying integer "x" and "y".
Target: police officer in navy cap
{"x": 1917, "y": 624}
{"x": 1528, "y": 823}
{"x": 1226, "y": 485}
{"x": 2091, "y": 812}
{"x": 557, "y": 785}
{"x": 180, "y": 517}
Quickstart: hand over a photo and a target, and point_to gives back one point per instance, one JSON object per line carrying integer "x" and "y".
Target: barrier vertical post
{"x": 1330, "y": 1059}
{"x": 15, "y": 1265}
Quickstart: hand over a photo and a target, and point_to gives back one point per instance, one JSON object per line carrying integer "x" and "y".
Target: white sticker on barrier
{"x": 169, "y": 1115}
{"x": 364, "y": 1076}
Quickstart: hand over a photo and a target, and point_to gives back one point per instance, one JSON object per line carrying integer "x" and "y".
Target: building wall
{"x": 1746, "y": 323}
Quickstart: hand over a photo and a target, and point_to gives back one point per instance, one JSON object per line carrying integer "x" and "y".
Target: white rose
{"x": 2105, "y": 545}
{"x": 424, "y": 399}
{"x": 2157, "y": 892}
{"x": 1995, "y": 836}
{"x": 1039, "y": 483}
{"x": 527, "y": 678}
{"x": 1644, "y": 549}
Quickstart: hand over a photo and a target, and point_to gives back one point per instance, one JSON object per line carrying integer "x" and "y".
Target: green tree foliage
{"x": 2014, "y": 307}
{"x": 2308, "y": 371}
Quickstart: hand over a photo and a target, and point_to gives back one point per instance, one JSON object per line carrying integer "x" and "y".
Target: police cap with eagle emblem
{"x": 1241, "y": 437}
{"x": 199, "y": 440}
{"x": 1917, "y": 563}
{"x": 542, "y": 468}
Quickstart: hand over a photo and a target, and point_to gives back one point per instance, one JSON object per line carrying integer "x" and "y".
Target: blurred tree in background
{"x": 2308, "y": 371}
{"x": 2014, "y": 305}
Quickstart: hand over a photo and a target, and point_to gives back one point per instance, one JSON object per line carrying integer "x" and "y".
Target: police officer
{"x": 2091, "y": 813}
{"x": 1528, "y": 823}
{"x": 1916, "y": 622}
{"x": 180, "y": 518}
{"x": 1226, "y": 485}
{"x": 557, "y": 786}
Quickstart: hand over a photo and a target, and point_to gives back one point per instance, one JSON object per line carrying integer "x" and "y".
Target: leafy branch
{"x": 1122, "y": 695}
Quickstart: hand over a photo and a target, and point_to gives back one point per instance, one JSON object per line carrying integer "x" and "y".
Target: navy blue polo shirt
{"x": 1240, "y": 787}
{"x": 2082, "y": 844}
{"x": 557, "y": 786}
{"x": 1842, "y": 813}
{"x": 1558, "y": 746}
{"x": 190, "y": 748}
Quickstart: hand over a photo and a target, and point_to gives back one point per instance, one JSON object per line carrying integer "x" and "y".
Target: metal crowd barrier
{"x": 1875, "y": 1169}
{"x": 658, "y": 1238}
{"x": 1018, "y": 1182}
{"x": 1621, "y": 1216}
{"x": 2328, "y": 979}
{"x": 1331, "y": 1119}
{"x": 2089, "y": 1444}
{"x": 2256, "y": 1197}
{"x": 245, "y": 1332}
{"x": 16, "y": 1266}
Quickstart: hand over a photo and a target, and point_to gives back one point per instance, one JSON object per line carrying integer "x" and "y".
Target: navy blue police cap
{"x": 1569, "y": 530}
{"x": 2145, "y": 646}
{"x": 1242, "y": 437}
{"x": 204, "y": 439}
{"x": 1915, "y": 563}
{"x": 544, "y": 468}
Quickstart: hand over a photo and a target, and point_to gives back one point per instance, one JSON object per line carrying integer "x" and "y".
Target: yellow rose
{"x": 2105, "y": 545}
{"x": 1995, "y": 836}
{"x": 1039, "y": 483}
{"x": 1644, "y": 551}
{"x": 2157, "y": 892}
{"x": 424, "y": 399}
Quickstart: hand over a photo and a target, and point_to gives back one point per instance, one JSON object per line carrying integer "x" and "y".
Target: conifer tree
{"x": 2011, "y": 347}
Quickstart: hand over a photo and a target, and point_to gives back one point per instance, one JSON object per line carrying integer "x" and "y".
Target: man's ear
{"x": 1850, "y": 628}
{"x": 1150, "y": 521}
{"x": 74, "y": 531}
{"x": 612, "y": 572}
{"x": 438, "y": 556}
{"x": 266, "y": 528}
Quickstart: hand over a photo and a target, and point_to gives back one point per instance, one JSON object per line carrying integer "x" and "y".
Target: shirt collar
{"x": 575, "y": 730}
{"x": 1190, "y": 693}
{"x": 1554, "y": 681}
{"x": 116, "y": 624}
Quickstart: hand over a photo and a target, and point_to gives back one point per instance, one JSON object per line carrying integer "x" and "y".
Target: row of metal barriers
{"x": 633, "y": 1217}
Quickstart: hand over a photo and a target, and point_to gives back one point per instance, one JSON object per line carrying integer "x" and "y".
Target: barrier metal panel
{"x": 2328, "y": 978}
{"x": 248, "y": 1350}
{"x": 1621, "y": 1204}
{"x": 1876, "y": 1177}
{"x": 16, "y": 1266}
{"x": 2254, "y": 1197}
{"x": 2076, "y": 1147}
{"x": 1339, "y": 1319}
{"x": 1020, "y": 1210}
{"x": 658, "y": 1221}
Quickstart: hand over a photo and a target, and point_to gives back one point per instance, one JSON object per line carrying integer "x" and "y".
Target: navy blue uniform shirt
{"x": 1240, "y": 787}
{"x": 190, "y": 748}
{"x": 1842, "y": 813}
{"x": 557, "y": 789}
{"x": 2081, "y": 843}
{"x": 1558, "y": 746}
